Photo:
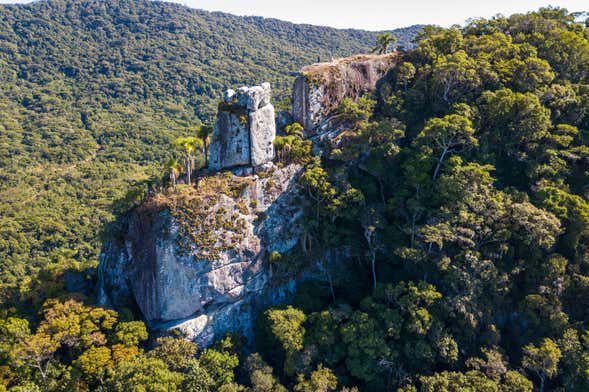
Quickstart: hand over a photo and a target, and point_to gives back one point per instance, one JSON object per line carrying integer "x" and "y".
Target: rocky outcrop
{"x": 245, "y": 129}
{"x": 198, "y": 261}
{"x": 320, "y": 88}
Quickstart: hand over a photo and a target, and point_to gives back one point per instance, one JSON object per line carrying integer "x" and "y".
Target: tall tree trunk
{"x": 440, "y": 163}
{"x": 188, "y": 170}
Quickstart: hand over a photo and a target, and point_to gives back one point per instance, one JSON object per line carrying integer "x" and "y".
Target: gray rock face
{"x": 205, "y": 297}
{"x": 230, "y": 142}
{"x": 307, "y": 102}
{"x": 262, "y": 133}
{"x": 320, "y": 88}
{"x": 245, "y": 129}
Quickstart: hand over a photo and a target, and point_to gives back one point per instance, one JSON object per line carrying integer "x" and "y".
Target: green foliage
{"x": 287, "y": 326}
{"x": 445, "y": 229}
{"x": 542, "y": 360}
{"x": 468, "y": 173}
{"x": 144, "y": 374}
{"x": 320, "y": 380}
{"x": 175, "y": 352}
{"x": 197, "y": 378}
{"x": 383, "y": 41}
{"x": 261, "y": 377}
{"x": 219, "y": 365}
{"x": 131, "y": 333}
{"x": 93, "y": 93}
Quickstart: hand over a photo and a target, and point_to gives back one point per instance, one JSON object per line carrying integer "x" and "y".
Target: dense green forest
{"x": 91, "y": 95}
{"x": 455, "y": 208}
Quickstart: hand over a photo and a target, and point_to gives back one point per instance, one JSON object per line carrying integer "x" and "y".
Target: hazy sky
{"x": 375, "y": 14}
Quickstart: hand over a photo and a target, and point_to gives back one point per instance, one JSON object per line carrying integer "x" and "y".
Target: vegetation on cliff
{"x": 92, "y": 93}
{"x": 460, "y": 196}
{"x": 448, "y": 228}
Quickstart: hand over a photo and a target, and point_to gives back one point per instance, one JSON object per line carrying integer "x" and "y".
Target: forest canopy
{"x": 455, "y": 213}
{"x": 93, "y": 92}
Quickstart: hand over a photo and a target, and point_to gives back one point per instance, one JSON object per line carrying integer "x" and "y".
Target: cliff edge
{"x": 321, "y": 87}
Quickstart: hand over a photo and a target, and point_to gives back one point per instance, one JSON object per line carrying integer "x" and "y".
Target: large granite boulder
{"x": 320, "y": 88}
{"x": 198, "y": 261}
{"x": 245, "y": 129}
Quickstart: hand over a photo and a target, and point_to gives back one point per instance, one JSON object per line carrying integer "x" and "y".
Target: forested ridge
{"x": 93, "y": 92}
{"x": 446, "y": 230}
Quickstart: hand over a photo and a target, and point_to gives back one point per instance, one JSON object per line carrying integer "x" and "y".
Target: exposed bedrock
{"x": 205, "y": 288}
{"x": 320, "y": 88}
{"x": 245, "y": 129}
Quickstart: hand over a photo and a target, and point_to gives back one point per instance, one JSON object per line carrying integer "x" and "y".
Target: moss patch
{"x": 207, "y": 226}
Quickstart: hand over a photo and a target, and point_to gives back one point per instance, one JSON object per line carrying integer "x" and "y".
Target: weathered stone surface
{"x": 254, "y": 98}
{"x": 263, "y": 131}
{"x": 245, "y": 129}
{"x": 205, "y": 298}
{"x": 229, "y": 95}
{"x": 230, "y": 141}
{"x": 321, "y": 87}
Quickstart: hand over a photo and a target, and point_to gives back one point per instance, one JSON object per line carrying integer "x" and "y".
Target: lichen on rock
{"x": 200, "y": 253}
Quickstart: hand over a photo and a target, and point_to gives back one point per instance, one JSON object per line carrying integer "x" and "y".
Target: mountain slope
{"x": 92, "y": 93}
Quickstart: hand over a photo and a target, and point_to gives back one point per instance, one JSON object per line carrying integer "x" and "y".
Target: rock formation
{"x": 245, "y": 129}
{"x": 320, "y": 88}
{"x": 198, "y": 262}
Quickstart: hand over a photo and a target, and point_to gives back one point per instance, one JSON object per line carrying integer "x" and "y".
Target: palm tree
{"x": 204, "y": 132}
{"x": 383, "y": 41}
{"x": 173, "y": 169}
{"x": 187, "y": 146}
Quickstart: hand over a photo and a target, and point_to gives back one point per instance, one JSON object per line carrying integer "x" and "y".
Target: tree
{"x": 131, "y": 333}
{"x": 448, "y": 134}
{"x": 204, "y": 133}
{"x": 513, "y": 125}
{"x": 365, "y": 339}
{"x": 220, "y": 365}
{"x": 95, "y": 363}
{"x": 455, "y": 76}
{"x": 76, "y": 326}
{"x": 144, "y": 374}
{"x": 295, "y": 129}
{"x": 287, "y": 328}
{"x": 187, "y": 146}
{"x": 383, "y": 41}
{"x": 261, "y": 377}
{"x": 542, "y": 360}
{"x": 36, "y": 351}
{"x": 175, "y": 352}
{"x": 370, "y": 223}
{"x": 406, "y": 74}
{"x": 173, "y": 168}
{"x": 315, "y": 180}
{"x": 197, "y": 379}
{"x": 320, "y": 380}
{"x": 472, "y": 381}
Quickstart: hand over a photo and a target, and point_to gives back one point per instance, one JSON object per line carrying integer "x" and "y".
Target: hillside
{"x": 92, "y": 93}
{"x": 423, "y": 226}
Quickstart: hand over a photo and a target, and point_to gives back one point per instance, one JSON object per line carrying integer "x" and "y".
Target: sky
{"x": 375, "y": 14}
